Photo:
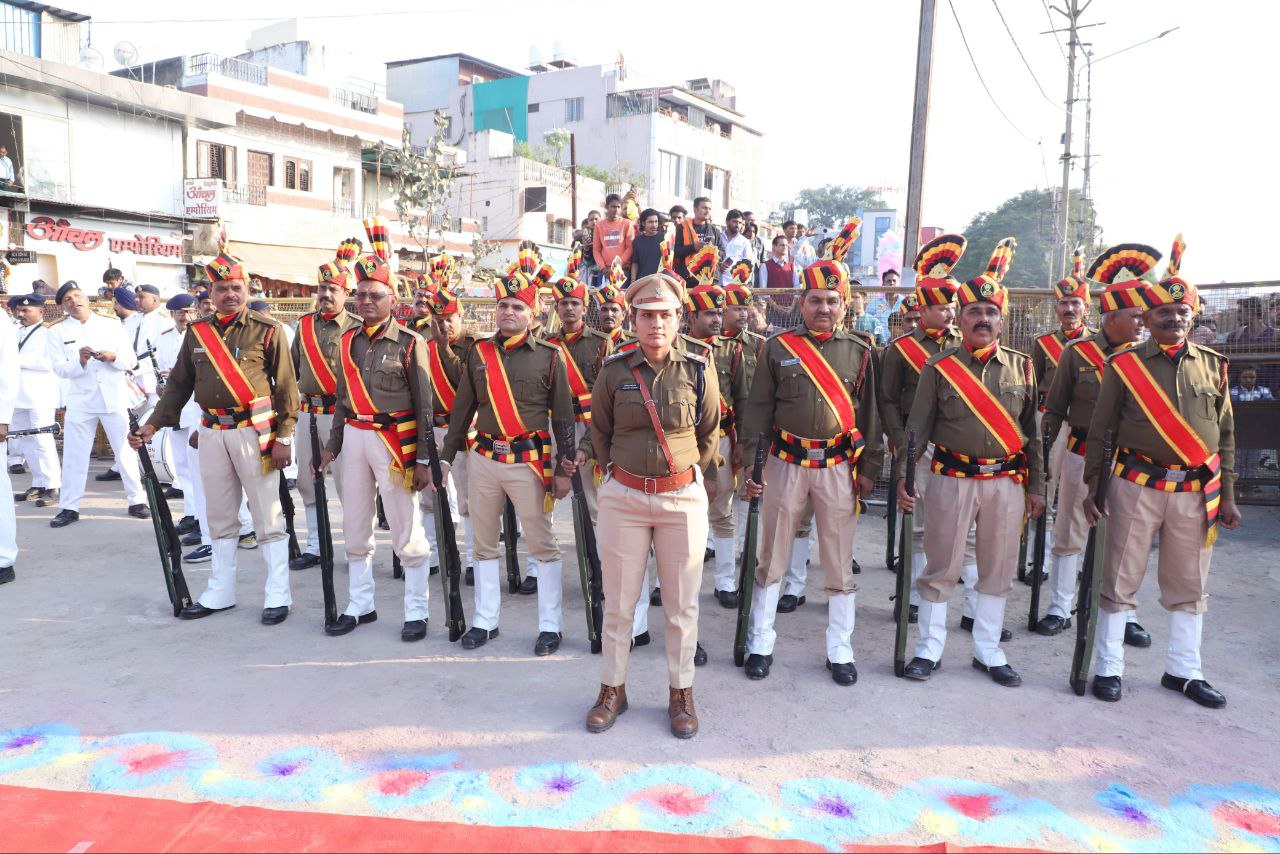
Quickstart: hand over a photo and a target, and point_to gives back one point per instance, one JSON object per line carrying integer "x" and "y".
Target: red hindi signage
{"x": 86, "y": 239}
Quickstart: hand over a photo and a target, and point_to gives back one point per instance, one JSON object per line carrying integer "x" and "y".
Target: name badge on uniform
{"x": 501, "y": 447}
{"x": 197, "y": 349}
{"x": 629, "y": 387}
{"x": 786, "y": 363}
{"x": 816, "y": 454}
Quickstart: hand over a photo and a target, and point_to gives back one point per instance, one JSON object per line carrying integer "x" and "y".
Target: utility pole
{"x": 1065, "y": 199}
{"x": 919, "y": 132}
{"x": 1086, "y": 190}
{"x": 573, "y": 182}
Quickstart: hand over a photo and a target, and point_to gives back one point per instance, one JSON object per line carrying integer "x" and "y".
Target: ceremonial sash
{"x": 577, "y": 384}
{"x": 982, "y": 403}
{"x": 262, "y": 419}
{"x": 1092, "y": 353}
{"x": 913, "y": 351}
{"x": 824, "y": 377}
{"x": 1052, "y": 346}
{"x": 817, "y": 453}
{"x": 444, "y": 391}
{"x": 315, "y": 356}
{"x": 503, "y": 402}
{"x": 397, "y": 430}
{"x": 952, "y": 464}
{"x": 1177, "y": 433}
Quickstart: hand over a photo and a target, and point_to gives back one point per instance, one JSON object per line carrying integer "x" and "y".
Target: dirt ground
{"x": 92, "y": 653}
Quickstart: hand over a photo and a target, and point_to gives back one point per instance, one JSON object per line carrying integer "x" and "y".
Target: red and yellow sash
{"x": 578, "y": 387}
{"x": 982, "y": 403}
{"x": 315, "y": 356}
{"x": 1092, "y": 353}
{"x": 503, "y": 402}
{"x": 1176, "y": 431}
{"x": 1052, "y": 346}
{"x": 397, "y": 430}
{"x": 829, "y": 384}
{"x": 261, "y": 418}
{"x": 444, "y": 391}
{"x": 912, "y": 350}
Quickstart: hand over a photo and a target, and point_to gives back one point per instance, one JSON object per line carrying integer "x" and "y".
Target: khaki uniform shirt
{"x": 1075, "y": 386}
{"x": 1197, "y": 385}
{"x": 539, "y": 385}
{"x": 751, "y": 344}
{"x": 898, "y": 381}
{"x": 728, "y": 360}
{"x": 453, "y": 359}
{"x": 783, "y": 396}
{"x": 589, "y": 351}
{"x": 394, "y": 369}
{"x": 618, "y": 337}
{"x": 621, "y": 430}
{"x": 1040, "y": 361}
{"x": 329, "y": 334}
{"x": 258, "y": 344}
{"x": 941, "y": 416}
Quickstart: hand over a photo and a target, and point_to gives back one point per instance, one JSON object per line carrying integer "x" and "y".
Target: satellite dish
{"x": 90, "y": 59}
{"x": 126, "y": 53}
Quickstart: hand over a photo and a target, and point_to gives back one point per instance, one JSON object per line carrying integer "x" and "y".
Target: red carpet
{"x": 47, "y": 820}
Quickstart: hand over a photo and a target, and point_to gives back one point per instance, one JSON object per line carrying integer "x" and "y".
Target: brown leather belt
{"x": 654, "y": 485}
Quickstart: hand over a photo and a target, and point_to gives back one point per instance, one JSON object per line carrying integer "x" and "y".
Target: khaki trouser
{"x": 229, "y": 463}
{"x": 1137, "y": 514}
{"x": 954, "y": 505}
{"x": 1070, "y": 528}
{"x": 920, "y": 516}
{"x": 785, "y": 504}
{"x": 720, "y": 511}
{"x": 456, "y": 489}
{"x": 489, "y": 483}
{"x": 366, "y": 474}
{"x": 675, "y": 524}
{"x": 302, "y": 452}
{"x": 1057, "y": 451}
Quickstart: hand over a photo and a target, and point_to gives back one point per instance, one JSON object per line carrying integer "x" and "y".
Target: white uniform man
{"x": 94, "y": 355}
{"x": 36, "y": 400}
{"x": 182, "y": 310}
{"x": 9, "y": 374}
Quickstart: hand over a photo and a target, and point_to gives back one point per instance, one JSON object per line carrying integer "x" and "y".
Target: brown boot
{"x": 611, "y": 703}
{"x": 684, "y": 717}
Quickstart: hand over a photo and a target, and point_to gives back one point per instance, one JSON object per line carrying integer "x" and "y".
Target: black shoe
{"x": 966, "y": 623}
{"x": 757, "y": 666}
{"x": 1197, "y": 689}
{"x": 172, "y": 493}
{"x": 699, "y": 656}
{"x": 435, "y": 570}
{"x": 843, "y": 674}
{"x": 547, "y": 643}
{"x": 195, "y": 611}
{"x": 655, "y": 598}
{"x": 913, "y": 614}
{"x": 1001, "y": 674}
{"x": 64, "y": 518}
{"x": 1031, "y": 577}
{"x": 414, "y": 630}
{"x": 642, "y": 639}
{"x": 274, "y": 616}
{"x": 920, "y": 669}
{"x": 109, "y": 474}
{"x": 139, "y": 511}
{"x": 32, "y": 493}
{"x": 192, "y": 539}
{"x": 201, "y": 554}
{"x": 789, "y": 603}
{"x": 857, "y": 570}
{"x": 469, "y": 578}
{"x": 727, "y": 598}
{"x": 17, "y": 468}
{"x": 529, "y": 586}
{"x": 1052, "y": 624}
{"x": 186, "y": 525}
{"x": 48, "y": 498}
{"x": 306, "y": 560}
{"x": 1107, "y": 688}
{"x": 1136, "y": 635}
{"x": 709, "y": 554}
{"x": 7, "y": 574}
{"x": 291, "y": 484}
{"x": 476, "y": 637}
{"x": 346, "y": 623}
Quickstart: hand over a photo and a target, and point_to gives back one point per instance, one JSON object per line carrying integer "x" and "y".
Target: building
{"x": 97, "y": 161}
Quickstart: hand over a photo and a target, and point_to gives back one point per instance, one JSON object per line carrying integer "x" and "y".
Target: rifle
{"x": 891, "y": 519}
{"x": 447, "y": 539}
{"x": 55, "y": 429}
{"x": 902, "y": 595}
{"x": 588, "y": 553}
{"x": 1038, "y": 540}
{"x": 167, "y": 539}
{"x": 286, "y": 506}
{"x": 509, "y": 524}
{"x": 747, "y": 572}
{"x": 323, "y": 529}
{"x": 1087, "y": 597}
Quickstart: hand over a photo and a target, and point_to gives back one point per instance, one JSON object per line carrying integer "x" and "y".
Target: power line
{"x": 1045, "y": 5}
{"x": 1021, "y": 56}
{"x": 986, "y": 88}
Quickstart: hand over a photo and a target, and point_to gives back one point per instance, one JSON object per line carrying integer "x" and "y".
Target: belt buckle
{"x": 650, "y": 482}
{"x": 226, "y": 420}
{"x": 816, "y": 455}
{"x": 989, "y": 468}
{"x": 1175, "y": 475}
{"x": 501, "y": 446}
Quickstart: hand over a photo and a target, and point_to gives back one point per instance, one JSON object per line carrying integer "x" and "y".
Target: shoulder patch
{"x": 696, "y": 357}
{"x": 690, "y": 341}
{"x": 615, "y": 356}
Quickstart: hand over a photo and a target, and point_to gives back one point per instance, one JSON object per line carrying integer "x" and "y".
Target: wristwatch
{"x": 285, "y": 440}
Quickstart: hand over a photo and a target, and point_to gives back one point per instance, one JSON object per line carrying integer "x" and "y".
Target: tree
{"x": 1029, "y": 217}
{"x": 833, "y": 204}
{"x": 423, "y": 183}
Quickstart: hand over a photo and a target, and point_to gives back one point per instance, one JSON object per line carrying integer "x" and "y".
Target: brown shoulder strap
{"x": 653, "y": 417}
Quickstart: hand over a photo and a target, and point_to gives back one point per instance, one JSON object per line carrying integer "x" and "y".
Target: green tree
{"x": 1029, "y": 217}
{"x": 833, "y": 204}
{"x": 422, "y": 181}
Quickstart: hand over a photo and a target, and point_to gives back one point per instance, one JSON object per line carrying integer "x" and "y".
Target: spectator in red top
{"x": 613, "y": 235}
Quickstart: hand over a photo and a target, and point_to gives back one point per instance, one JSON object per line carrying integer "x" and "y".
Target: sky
{"x": 1183, "y": 127}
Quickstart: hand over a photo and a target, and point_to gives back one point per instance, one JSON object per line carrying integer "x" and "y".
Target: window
{"x": 533, "y": 108}
{"x": 693, "y": 176}
{"x": 535, "y": 199}
{"x": 725, "y": 177}
{"x": 573, "y": 109}
{"x": 708, "y": 177}
{"x": 262, "y": 171}
{"x": 297, "y": 174}
{"x": 484, "y": 225}
{"x": 669, "y": 172}
{"x": 214, "y": 160}
{"x": 559, "y": 232}
{"x": 19, "y": 29}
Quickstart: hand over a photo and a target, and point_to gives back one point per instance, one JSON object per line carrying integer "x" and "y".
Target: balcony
{"x": 361, "y": 102}
{"x": 351, "y": 209}
{"x": 244, "y": 194}
{"x": 204, "y": 64}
